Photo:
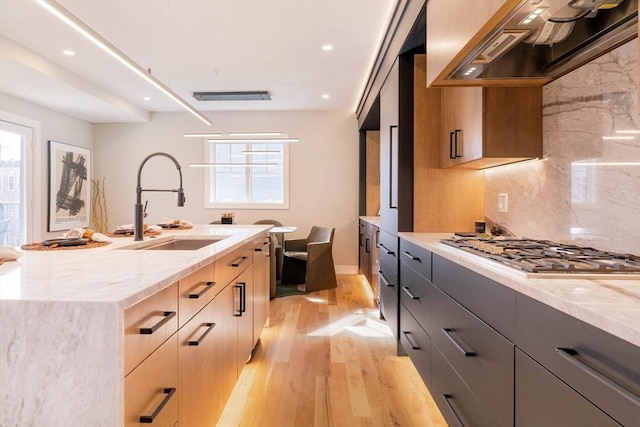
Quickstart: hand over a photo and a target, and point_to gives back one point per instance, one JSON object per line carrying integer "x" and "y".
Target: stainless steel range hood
{"x": 544, "y": 39}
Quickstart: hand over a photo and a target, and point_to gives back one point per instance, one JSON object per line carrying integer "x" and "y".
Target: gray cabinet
{"x": 498, "y": 357}
{"x": 601, "y": 367}
{"x": 388, "y": 279}
{"x": 368, "y": 255}
{"x": 544, "y": 400}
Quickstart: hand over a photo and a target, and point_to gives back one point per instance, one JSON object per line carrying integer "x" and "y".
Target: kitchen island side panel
{"x": 61, "y": 362}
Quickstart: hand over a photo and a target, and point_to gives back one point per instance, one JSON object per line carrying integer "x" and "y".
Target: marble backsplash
{"x": 586, "y": 189}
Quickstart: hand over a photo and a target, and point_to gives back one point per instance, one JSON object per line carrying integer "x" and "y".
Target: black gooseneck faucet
{"x": 137, "y": 223}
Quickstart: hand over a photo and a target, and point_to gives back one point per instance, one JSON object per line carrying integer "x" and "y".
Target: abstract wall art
{"x": 69, "y": 186}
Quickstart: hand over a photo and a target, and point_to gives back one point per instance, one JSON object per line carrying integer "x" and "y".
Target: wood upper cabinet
{"x": 490, "y": 126}
{"x": 451, "y": 27}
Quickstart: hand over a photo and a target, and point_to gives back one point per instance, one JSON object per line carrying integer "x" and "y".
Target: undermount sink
{"x": 185, "y": 244}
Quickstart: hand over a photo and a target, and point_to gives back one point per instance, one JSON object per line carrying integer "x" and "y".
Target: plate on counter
{"x": 169, "y": 225}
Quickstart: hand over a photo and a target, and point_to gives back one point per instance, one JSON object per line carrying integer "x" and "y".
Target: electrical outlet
{"x": 503, "y": 202}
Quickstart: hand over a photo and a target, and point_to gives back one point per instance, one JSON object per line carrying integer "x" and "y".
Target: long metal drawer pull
{"x": 239, "y": 313}
{"x": 446, "y": 398}
{"x": 447, "y": 332}
{"x": 411, "y": 257}
{"x": 148, "y": 419}
{"x": 210, "y": 327}
{"x": 408, "y": 292}
{"x": 168, "y": 315}
{"x": 389, "y": 284}
{"x": 237, "y": 263}
{"x": 208, "y": 285}
{"x": 243, "y": 297}
{"x": 457, "y": 132}
{"x": 380, "y": 245}
{"x": 413, "y": 345}
{"x": 451, "y": 149}
{"x": 568, "y": 355}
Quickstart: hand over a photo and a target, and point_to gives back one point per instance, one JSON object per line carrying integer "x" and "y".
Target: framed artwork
{"x": 69, "y": 186}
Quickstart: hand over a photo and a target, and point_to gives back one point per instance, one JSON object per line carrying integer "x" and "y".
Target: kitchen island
{"x": 64, "y": 320}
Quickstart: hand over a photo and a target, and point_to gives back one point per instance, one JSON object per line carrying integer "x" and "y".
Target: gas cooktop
{"x": 545, "y": 256}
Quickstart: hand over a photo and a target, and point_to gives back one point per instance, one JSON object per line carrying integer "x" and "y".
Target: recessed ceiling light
{"x": 327, "y": 47}
{"x": 146, "y": 98}
{"x": 325, "y": 96}
{"x": 68, "y": 52}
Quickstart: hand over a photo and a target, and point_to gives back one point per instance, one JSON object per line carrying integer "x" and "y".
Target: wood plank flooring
{"x": 328, "y": 360}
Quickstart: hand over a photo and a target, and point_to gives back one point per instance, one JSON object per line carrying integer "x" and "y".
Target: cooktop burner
{"x": 545, "y": 256}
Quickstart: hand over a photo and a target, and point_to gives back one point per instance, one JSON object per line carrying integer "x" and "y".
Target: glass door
{"x": 16, "y": 159}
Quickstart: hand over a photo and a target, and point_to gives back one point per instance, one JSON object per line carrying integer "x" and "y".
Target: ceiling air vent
{"x": 232, "y": 96}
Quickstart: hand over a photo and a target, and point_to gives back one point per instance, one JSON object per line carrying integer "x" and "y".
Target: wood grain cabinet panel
{"x": 148, "y": 324}
{"x": 226, "y": 349}
{"x": 197, "y": 382}
{"x": 490, "y": 126}
{"x": 151, "y": 390}
{"x": 195, "y": 291}
{"x": 232, "y": 264}
{"x": 262, "y": 286}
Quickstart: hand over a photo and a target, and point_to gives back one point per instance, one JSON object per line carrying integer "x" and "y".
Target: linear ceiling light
{"x": 75, "y": 23}
{"x": 261, "y": 152}
{"x": 226, "y": 165}
{"x": 260, "y": 140}
{"x": 255, "y": 134}
{"x": 201, "y": 135}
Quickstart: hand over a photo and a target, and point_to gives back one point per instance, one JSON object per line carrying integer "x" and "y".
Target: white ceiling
{"x": 191, "y": 46}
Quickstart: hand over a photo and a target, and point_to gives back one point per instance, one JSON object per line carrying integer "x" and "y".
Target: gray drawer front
{"x": 416, "y": 293}
{"x": 494, "y": 303}
{"x": 416, "y": 343}
{"x": 544, "y": 400}
{"x": 542, "y": 329}
{"x": 461, "y": 407}
{"x": 416, "y": 257}
{"x": 389, "y": 303}
{"x": 388, "y": 256}
{"x": 487, "y": 367}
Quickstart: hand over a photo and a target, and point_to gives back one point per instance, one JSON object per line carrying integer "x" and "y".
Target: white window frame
{"x": 33, "y": 176}
{"x": 209, "y": 184}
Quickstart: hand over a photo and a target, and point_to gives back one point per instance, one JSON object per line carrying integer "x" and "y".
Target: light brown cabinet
{"x": 490, "y": 126}
{"x": 262, "y": 284}
{"x": 151, "y": 368}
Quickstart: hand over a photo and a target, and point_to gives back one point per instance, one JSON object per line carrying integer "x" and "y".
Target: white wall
{"x": 323, "y": 171}
{"x": 53, "y": 126}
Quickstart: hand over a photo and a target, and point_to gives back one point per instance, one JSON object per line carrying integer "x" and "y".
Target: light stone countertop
{"x": 610, "y": 304}
{"x": 112, "y": 274}
{"x": 375, "y": 220}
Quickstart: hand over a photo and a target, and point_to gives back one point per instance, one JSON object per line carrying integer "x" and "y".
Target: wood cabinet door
{"x": 196, "y": 361}
{"x": 226, "y": 348}
{"x": 245, "y": 285}
{"x": 461, "y": 125}
{"x": 261, "y": 291}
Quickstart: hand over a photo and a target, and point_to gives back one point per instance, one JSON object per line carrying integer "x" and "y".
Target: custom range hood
{"x": 544, "y": 39}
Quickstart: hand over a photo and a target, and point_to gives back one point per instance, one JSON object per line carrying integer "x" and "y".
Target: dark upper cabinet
{"x": 396, "y": 148}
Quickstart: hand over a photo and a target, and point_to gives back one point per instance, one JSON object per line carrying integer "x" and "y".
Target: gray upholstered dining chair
{"x": 310, "y": 260}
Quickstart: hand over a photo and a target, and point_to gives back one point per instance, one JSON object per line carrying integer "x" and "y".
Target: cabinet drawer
{"x": 494, "y": 303}
{"x": 148, "y": 324}
{"x": 456, "y": 402}
{"x": 416, "y": 293}
{"x": 389, "y": 303}
{"x": 416, "y": 343}
{"x": 195, "y": 291}
{"x": 480, "y": 355}
{"x": 416, "y": 257}
{"x": 151, "y": 388}
{"x": 544, "y": 400}
{"x": 387, "y": 256}
{"x": 601, "y": 367}
{"x": 232, "y": 264}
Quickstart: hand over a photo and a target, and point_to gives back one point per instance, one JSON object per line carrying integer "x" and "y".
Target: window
{"x": 260, "y": 181}
{"x": 17, "y": 195}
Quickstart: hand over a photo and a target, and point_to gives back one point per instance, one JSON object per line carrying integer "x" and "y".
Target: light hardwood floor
{"x": 328, "y": 360}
